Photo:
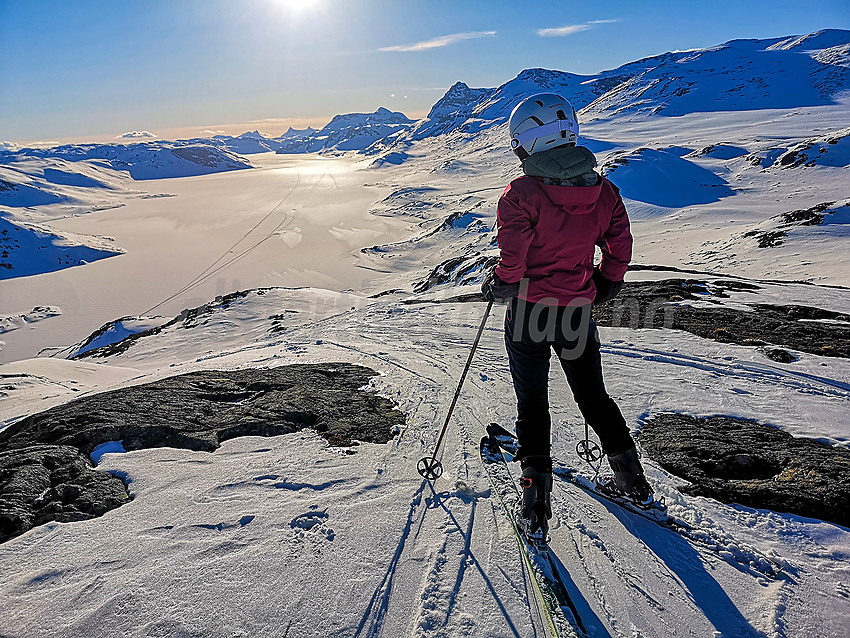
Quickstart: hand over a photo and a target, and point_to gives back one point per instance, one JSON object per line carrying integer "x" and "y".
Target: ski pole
{"x": 428, "y": 466}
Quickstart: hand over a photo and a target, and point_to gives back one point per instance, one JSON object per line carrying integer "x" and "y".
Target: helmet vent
{"x": 539, "y": 102}
{"x": 561, "y": 115}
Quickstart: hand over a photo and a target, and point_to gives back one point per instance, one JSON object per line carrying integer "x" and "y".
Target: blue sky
{"x": 100, "y": 68}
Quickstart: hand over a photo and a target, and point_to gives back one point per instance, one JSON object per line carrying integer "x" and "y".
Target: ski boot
{"x": 628, "y": 481}
{"x": 535, "y": 510}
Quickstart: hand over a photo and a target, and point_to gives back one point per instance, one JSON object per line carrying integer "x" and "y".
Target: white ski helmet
{"x": 540, "y": 122}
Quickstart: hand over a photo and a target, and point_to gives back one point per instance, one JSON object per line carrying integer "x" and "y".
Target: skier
{"x": 549, "y": 221}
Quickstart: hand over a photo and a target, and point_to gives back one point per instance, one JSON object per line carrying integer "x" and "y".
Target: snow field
{"x": 394, "y": 556}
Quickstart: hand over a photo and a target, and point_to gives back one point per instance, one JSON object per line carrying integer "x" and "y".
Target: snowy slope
{"x": 398, "y": 557}
{"x": 27, "y": 249}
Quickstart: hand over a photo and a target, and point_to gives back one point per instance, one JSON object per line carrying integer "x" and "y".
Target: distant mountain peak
{"x": 823, "y": 39}
{"x": 539, "y": 74}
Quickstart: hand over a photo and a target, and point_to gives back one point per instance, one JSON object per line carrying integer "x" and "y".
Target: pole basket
{"x": 429, "y": 468}
{"x": 588, "y": 451}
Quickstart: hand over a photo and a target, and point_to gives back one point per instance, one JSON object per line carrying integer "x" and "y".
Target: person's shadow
{"x": 686, "y": 563}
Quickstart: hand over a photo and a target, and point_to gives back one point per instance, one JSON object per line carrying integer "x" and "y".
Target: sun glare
{"x": 298, "y": 6}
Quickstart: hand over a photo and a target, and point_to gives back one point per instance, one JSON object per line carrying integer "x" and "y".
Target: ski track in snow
{"x": 442, "y": 568}
{"x": 755, "y": 372}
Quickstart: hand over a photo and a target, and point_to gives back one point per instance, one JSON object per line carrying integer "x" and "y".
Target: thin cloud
{"x": 441, "y": 41}
{"x": 134, "y": 135}
{"x": 207, "y": 131}
{"x": 570, "y": 29}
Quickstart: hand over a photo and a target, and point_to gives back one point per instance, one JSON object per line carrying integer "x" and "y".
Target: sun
{"x": 298, "y": 6}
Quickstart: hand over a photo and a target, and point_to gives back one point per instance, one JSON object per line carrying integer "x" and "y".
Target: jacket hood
{"x": 570, "y": 164}
{"x": 574, "y": 200}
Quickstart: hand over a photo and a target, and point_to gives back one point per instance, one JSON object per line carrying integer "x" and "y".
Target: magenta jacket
{"x": 547, "y": 234}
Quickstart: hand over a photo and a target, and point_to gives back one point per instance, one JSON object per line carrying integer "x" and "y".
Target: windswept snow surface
{"x": 284, "y": 534}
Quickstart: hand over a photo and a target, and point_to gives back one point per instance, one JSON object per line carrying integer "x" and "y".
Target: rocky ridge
{"x": 46, "y": 475}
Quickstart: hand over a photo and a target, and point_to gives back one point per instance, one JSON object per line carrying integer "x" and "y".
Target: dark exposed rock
{"x": 384, "y": 293}
{"x": 796, "y": 313}
{"x": 651, "y": 304}
{"x": 464, "y": 298}
{"x": 737, "y": 461}
{"x": 785, "y": 222}
{"x": 768, "y": 238}
{"x": 779, "y": 355}
{"x": 195, "y": 411}
{"x": 646, "y": 304}
{"x": 199, "y": 410}
{"x": 808, "y": 216}
{"x": 42, "y": 483}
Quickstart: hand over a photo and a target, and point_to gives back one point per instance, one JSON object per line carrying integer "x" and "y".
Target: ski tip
{"x": 495, "y": 429}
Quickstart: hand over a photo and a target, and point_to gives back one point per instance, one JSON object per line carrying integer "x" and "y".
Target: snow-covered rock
{"x": 826, "y": 150}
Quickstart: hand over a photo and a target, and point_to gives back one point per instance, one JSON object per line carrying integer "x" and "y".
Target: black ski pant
{"x": 532, "y": 331}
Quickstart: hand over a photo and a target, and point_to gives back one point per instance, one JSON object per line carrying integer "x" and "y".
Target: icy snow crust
{"x": 286, "y": 536}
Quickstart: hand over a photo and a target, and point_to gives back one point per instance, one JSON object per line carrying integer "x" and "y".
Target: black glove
{"x": 606, "y": 289}
{"x": 496, "y": 290}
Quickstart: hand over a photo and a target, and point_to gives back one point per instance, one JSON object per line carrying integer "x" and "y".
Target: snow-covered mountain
{"x": 738, "y": 75}
{"x": 145, "y": 160}
{"x": 350, "y": 132}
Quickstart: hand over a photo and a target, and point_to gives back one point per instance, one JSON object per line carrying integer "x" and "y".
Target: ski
{"x": 749, "y": 557}
{"x": 560, "y": 614}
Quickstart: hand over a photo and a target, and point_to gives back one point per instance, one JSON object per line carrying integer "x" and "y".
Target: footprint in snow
{"x": 312, "y": 524}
